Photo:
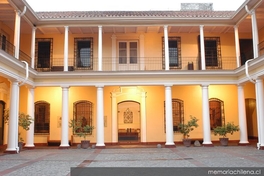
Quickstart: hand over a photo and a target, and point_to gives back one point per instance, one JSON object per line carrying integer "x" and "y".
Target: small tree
{"x": 79, "y": 129}
{"x": 225, "y": 129}
{"x": 185, "y": 129}
{"x": 24, "y": 121}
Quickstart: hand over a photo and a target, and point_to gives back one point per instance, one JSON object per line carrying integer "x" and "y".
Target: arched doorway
{"x": 2, "y": 108}
{"x": 129, "y": 123}
{"x": 251, "y": 115}
{"x": 123, "y": 97}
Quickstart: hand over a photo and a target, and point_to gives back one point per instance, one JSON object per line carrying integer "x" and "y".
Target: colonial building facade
{"x": 133, "y": 75}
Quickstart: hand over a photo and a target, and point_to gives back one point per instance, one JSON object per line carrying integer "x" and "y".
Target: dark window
{"x": 212, "y": 49}
{"x": 174, "y": 52}
{"x": 246, "y": 50}
{"x": 216, "y": 107}
{"x": 83, "y": 52}
{"x": 42, "y": 117}
{"x": 3, "y": 42}
{"x": 83, "y": 111}
{"x": 177, "y": 113}
{"x": 43, "y": 53}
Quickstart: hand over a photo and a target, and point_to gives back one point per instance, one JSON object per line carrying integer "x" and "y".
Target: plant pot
{"x": 187, "y": 142}
{"x": 85, "y": 144}
{"x": 223, "y": 141}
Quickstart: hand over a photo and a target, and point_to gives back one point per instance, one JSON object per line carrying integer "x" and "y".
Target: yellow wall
{"x": 25, "y": 43}
{"x": 152, "y": 45}
{"x": 229, "y": 95}
{"x": 83, "y": 93}
{"x": 7, "y": 31}
{"x": 191, "y": 95}
{"x": 52, "y": 95}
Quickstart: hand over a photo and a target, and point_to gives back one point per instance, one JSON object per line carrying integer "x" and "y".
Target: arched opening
{"x": 2, "y": 109}
{"x": 217, "y": 115}
{"x": 129, "y": 122}
{"x": 251, "y": 115}
{"x": 42, "y": 117}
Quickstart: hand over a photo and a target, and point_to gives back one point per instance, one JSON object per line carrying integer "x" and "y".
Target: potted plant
{"x": 24, "y": 121}
{"x": 185, "y": 129}
{"x": 224, "y": 130}
{"x": 81, "y": 129}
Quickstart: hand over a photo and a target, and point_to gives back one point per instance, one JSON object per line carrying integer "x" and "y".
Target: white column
{"x": 32, "y": 53}
{"x": 202, "y": 48}
{"x": 260, "y": 112}
{"x": 100, "y": 118}
{"x": 254, "y": 33}
{"x": 114, "y": 58}
{"x": 100, "y": 59}
{"x": 142, "y": 51}
{"x": 66, "y": 45}
{"x": 114, "y": 119}
{"x": 169, "y": 120}
{"x": 242, "y": 116}
{"x": 12, "y": 143}
{"x": 206, "y": 117}
{"x": 65, "y": 118}
{"x": 17, "y": 34}
{"x": 30, "y": 110}
{"x": 143, "y": 131}
{"x": 166, "y": 48}
{"x": 237, "y": 46}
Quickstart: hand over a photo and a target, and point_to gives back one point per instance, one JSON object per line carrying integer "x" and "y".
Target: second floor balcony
{"x": 134, "y": 64}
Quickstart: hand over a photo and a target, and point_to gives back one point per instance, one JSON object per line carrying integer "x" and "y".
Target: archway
{"x": 2, "y": 108}
{"x": 251, "y": 115}
{"x": 122, "y": 99}
{"x": 128, "y": 115}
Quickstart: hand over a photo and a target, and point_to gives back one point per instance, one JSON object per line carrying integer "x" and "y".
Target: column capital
{"x": 236, "y": 26}
{"x": 141, "y": 36}
{"x": 165, "y": 26}
{"x": 240, "y": 84}
{"x": 201, "y": 26}
{"x": 66, "y": 29}
{"x": 168, "y": 85}
{"x": 99, "y": 86}
{"x": 31, "y": 87}
{"x": 113, "y": 37}
{"x": 204, "y": 85}
{"x": 65, "y": 86}
{"x": 257, "y": 80}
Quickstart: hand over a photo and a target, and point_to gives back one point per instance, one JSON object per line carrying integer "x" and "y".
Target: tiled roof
{"x": 135, "y": 14}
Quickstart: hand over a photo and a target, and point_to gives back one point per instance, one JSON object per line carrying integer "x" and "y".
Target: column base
{"x": 100, "y": 147}
{"x": 10, "y": 151}
{"x": 170, "y": 146}
{"x": 29, "y": 147}
{"x": 261, "y": 148}
{"x": 64, "y": 147}
{"x": 243, "y": 144}
{"x": 208, "y": 145}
